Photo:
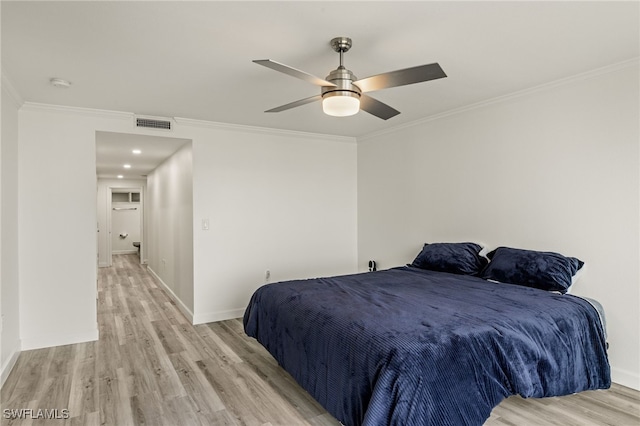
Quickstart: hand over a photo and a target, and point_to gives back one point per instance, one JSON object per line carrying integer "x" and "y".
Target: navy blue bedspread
{"x": 407, "y": 346}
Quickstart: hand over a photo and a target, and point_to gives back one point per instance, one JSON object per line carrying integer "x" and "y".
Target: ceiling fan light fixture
{"x": 342, "y": 93}
{"x": 341, "y": 103}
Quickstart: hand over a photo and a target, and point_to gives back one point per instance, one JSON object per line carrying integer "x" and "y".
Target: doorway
{"x": 123, "y": 162}
{"x": 125, "y": 222}
{"x": 121, "y": 219}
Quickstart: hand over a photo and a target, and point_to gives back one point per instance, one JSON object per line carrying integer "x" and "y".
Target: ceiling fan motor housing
{"x": 343, "y": 80}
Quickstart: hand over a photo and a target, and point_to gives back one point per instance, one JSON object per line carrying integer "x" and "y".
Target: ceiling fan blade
{"x": 377, "y": 108}
{"x": 401, "y": 77}
{"x": 296, "y": 104}
{"x": 293, "y": 72}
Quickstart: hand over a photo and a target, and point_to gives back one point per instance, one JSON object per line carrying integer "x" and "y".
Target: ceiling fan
{"x": 342, "y": 94}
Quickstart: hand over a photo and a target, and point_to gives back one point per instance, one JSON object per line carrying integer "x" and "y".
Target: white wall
{"x": 9, "y": 290}
{"x": 125, "y": 227}
{"x": 554, "y": 169}
{"x": 57, "y": 227}
{"x": 170, "y": 233}
{"x": 275, "y": 201}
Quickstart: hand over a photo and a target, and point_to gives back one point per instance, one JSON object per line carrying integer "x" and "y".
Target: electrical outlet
{"x": 267, "y": 275}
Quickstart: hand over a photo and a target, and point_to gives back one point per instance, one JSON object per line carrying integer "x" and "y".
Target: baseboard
{"x": 196, "y": 319}
{"x": 49, "y": 340}
{"x": 218, "y": 316}
{"x": 134, "y": 251}
{"x": 7, "y": 366}
{"x": 625, "y": 378}
{"x": 183, "y": 308}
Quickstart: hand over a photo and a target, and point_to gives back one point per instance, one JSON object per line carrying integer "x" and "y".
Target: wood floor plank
{"x": 617, "y": 397}
{"x": 221, "y": 349}
{"x": 115, "y": 407}
{"x": 137, "y": 378}
{"x": 152, "y": 367}
{"x": 192, "y": 342}
{"x": 147, "y": 409}
{"x": 203, "y": 395}
{"x": 167, "y": 336}
{"x": 246, "y": 396}
{"x": 84, "y": 388}
{"x": 30, "y": 378}
{"x": 175, "y": 414}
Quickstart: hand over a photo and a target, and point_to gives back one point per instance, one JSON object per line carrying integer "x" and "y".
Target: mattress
{"x": 409, "y": 346}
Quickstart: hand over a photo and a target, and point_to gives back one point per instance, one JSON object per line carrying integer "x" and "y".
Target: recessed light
{"x": 120, "y": 176}
{"x": 59, "y": 82}
{"x": 137, "y": 151}
{"x": 127, "y": 166}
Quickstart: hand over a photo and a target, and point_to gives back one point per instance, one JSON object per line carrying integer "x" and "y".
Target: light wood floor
{"x": 151, "y": 367}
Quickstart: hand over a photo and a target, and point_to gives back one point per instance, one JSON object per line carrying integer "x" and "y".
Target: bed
{"x": 410, "y": 346}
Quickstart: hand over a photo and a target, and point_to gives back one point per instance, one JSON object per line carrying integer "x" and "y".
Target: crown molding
{"x": 62, "y": 109}
{"x": 188, "y": 122}
{"x": 10, "y": 89}
{"x": 261, "y": 130}
{"x": 505, "y": 98}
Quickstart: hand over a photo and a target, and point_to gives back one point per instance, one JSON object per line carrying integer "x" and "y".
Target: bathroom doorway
{"x": 126, "y": 221}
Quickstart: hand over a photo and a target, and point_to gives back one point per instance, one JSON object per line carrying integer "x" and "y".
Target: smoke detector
{"x": 59, "y": 82}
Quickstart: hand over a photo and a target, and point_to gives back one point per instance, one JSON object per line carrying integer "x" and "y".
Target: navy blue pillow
{"x": 539, "y": 269}
{"x": 456, "y": 258}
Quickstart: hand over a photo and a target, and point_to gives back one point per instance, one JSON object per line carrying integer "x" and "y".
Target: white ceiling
{"x": 114, "y": 150}
{"x": 193, "y": 59}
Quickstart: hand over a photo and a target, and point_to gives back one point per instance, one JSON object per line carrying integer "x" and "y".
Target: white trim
{"x": 8, "y": 364}
{"x": 142, "y": 250}
{"x": 188, "y": 122}
{"x": 521, "y": 93}
{"x": 261, "y": 130}
{"x": 109, "y": 254}
{"x": 50, "y": 340}
{"x": 183, "y": 308}
{"x": 218, "y": 316}
{"x": 10, "y": 89}
{"x": 625, "y": 378}
{"x": 36, "y": 107}
{"x": 201, "y": 318}
{"x": 134, "y": 251}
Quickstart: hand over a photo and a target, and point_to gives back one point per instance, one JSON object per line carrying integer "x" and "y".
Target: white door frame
{"x": 110, "y": 191}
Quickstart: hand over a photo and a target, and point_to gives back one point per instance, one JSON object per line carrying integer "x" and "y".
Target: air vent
{"x": 151, "y": 123}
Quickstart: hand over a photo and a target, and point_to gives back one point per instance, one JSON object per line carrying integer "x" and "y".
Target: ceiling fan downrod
{"x": 341, "y": 45}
